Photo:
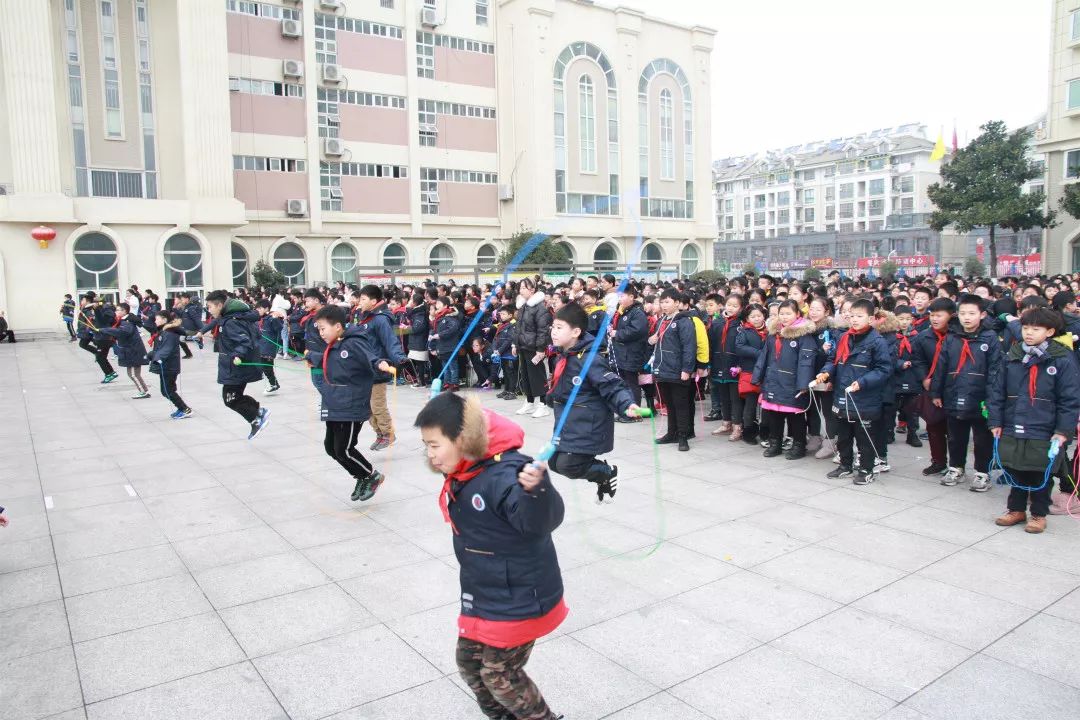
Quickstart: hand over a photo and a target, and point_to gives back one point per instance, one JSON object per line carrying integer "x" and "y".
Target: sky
{"x": 786, "y": 72}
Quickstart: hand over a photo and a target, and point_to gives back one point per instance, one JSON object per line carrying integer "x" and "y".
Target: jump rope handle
{"x": 436, "y": 387}
{"x": 644, "y": 412}
{"x": 1055, "y": 448}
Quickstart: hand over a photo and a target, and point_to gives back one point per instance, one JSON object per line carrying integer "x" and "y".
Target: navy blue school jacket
{"x": 505, "y": 335}
{"x": 908, "y": 380}
{"x": 675, "y": 352}
{"x": 348, "y": 374}
{"x": 502, "y": 534}
{"x": 825, "y": 336}
{"x": 449, "y": 329}
{"x": 630, "y": 345}
{"x": 924, "y": 348}
{"x": 313, "y": 342}
{"x": 269, "y": 327}
{"x": 596, "y": 318}
{"x": 887, "y": 327}
{"x": 191, "y": 317}
{"x": 165, "y": 342}
{"x": 871, "y": 363}
{"x": 130, "y": 350}
{"x": 748, "y": 345}
{"x": 590, "y": 427}
{"x": 235, "y": 336}
{"x": 785, "y": 365}
{"x": 1052, "y": 408}
{"x": 295, "y": 315}
{"x": 104, "y": 317}
{"x": 722, "y": 332}
{"x": 418, "y": 328}
{"x": 379, "y": 340}
{"x": 967, "y": 365}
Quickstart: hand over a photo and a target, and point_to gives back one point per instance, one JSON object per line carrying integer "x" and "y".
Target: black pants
{"x": 796, "y": 425}
{"x": 959, "y": 430}
{"x": 649, "y": 391}
{"x": 630, "y": 378}
{"x": 70, "y": 329}
{"x": 576, "y": 466}
{"x": 905, "y": 408}
{"x": 882, "y": 427}
{"x": 268, "y": 371}
{"x": 235, "y": 399}
{"x": 420, "y": 367}
{"x": 821, "y": 407}
{"x": 101, "y": 355}
{"x": 510, "y": 375}
{"x": 852, "y": 433}
{"x": 168, "y": 390}
{"x": 749, "y": 416}
{"x": 1040, "y": 499}
{"x": 533, "y": 375}
{"x": 731, "y": 403}
{"x": 185, "y": 349}
{"x": 340, "y": 443}
{"x": 678, "y": 397}
{"x": 481, "y": 368}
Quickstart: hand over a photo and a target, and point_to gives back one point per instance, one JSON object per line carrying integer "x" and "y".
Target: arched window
{"x": 486, "y": 256}
{"x": 95, "y": 264}
{"x": 343, "y": 263}
{"x": 289, "y": 261}
{"x": 587, "y": 124}
{"x": 691, "y": 259}
{"x": 441, "y": 257}
{"x": 605, "y": 257}
{"x": 239, "y": 265}
{"x": 394, "y": 255}
{"x": 568, "y": 248}
{"x": 651, "y": 257}
{"x": 667, "y": 136}
{"x": 183, "y": 264}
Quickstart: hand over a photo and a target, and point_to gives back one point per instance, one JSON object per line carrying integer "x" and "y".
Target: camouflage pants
{"x": 497, "y": 677}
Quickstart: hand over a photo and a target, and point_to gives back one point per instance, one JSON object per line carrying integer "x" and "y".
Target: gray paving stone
{"x": 659, "y": 518}
{"x": 34, "y": 629}
{"x": 327, "y": 676}
{"x": 1005, "y": 579}
{"x": 724, "y": 503}
{"x": 230, "y": 547}
{"x": 28, "y": 587}
{"x": 169, "y": 480}
{"x": 405, "y": 590}
{"x": 671, "y": 642}
{"x": 106, "y": 540}
{"x": 888, "y": 546}
{"x": 829, "y": 573}
{"x": 23, "y": 528}
{"x": 125, "y": 513}
{"x": 90, "y": 497}
{"x": 1060, "y": 552}
{"x": 739, "y": 543}
{"x": 781, "y": 486}
{"x": 137, "y": 659}
{"x": 26, "y": 554}
{"x": 586, "y": 542}
{"x": 959, "y": 616}
{"x": 1045, "y": 645}
{"x": 286, "y": 621}
{"x": 858, "y": 505}
{"x": 198, "y": 513}
{"x": 432, "y": 633}
{"x": 123, "y": 568}
{"x": 766, "y": 684}
{"x": 440, "y": 699}
{"x": 76, "y": 714}
{"x": 325, "y": 529}
{"x": 243, "y": 582}
{"x": 986, "y": 689}
{"x": 134, "y": 606}
{"x": 363, "y": 556}
{"x": 760, "y": 607}
{"x": 593, "y": 595}
{"x": 942, "y": 525}
{"x": 902, "y": 712}
{"x": 890, "y": 659}
{"x": 35, "y": 686}
{"x": 656, "y": 707}
{"x": 1068, "y": 607}
{"x": 803, "y": 523}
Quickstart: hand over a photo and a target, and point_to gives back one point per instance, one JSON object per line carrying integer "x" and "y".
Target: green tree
{"x": 888, "y": 269}
{"x": 265, "y": 275}
{"x": 547, "y": 251}
{"x": 1070, "y": 200}
{"x": 708, "y": 277}
{"x": 982, "y": 186}
{"x": 812, "y": 274}
{"x": 974, "y": 267}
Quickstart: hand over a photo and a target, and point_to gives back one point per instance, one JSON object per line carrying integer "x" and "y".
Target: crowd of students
{"x": 836, "y": 369}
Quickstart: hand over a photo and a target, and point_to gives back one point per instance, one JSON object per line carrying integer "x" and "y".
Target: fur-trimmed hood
{"x": 171, "y": 325}
{"x": 535, "y": 299}
{"x": 795, "y": 330}
{"x": 887, "y": 322}
{"x": 485, "y": 433}
{"x": 827, "y": 323}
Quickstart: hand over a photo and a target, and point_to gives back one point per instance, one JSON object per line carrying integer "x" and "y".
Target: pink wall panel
{"x": 466, "y": 133}
{"x": 261, "y": 37}
{"x": 268, "y": 190}
{"x": 374, "y": 124}
{"x": 464, "y": 67}
{"x": 375, "y": 195}
{"x": 468, "y": 200}
{"x": 267, "y": 114}
{"x": 371, "y": 52}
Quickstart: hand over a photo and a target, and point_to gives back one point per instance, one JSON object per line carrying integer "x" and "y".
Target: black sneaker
{"x": 773, "y": 449}
{"x": 935, "y": 469}
{"x": 840, "y": 471}
{"x": 665, "y": 440}
{"x": 684, "y": 446}
{"x": 608, "y": 486}
{"x": 913, "y": 440}
{"x": 372, "y": 486}
{"x": 865, "y": 477}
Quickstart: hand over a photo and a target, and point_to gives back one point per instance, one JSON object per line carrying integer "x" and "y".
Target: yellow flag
{"x": 939, "y": 148}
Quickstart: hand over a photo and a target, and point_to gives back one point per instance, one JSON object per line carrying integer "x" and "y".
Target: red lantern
{"x": 44, "y": 235}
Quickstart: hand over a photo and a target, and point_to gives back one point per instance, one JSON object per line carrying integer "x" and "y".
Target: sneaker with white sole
{"x": 841, "y": 471}
{"x": 259, "y": 423}
{"x": 271, "y": 390}
{"x": 881, "y": 465}
{"x": 541, "y": 411}
{"x": 140, "y": 396}
{"x": 836, "y": 458}
{"x": 527, "y": 409}
{"x": 864, "y": 477}
{"x": 980, "y": 483}
{"x": 953, "y": 476}
{"x": 825, "y": 451}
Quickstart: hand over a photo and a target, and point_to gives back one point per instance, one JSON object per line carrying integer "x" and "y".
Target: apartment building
{"x": 173, "y": 145}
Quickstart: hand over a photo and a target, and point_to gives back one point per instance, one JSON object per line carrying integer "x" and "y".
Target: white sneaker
{"x": 836, "y": 458}
{"x": 953, "y": 476}
{"x": 526, "y": 409}
{"x": 825, "y": 451}
{"x": 980, "y": 483}
{"x": 881, "y": 465}
{"x": 542, "y": 410}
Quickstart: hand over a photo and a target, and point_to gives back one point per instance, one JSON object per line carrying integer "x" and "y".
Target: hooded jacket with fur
{"x": 534, "y": 324}
{"x": 785, "y": 365}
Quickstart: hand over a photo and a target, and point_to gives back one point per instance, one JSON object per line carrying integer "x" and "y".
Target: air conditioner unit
{"x": 331, "y": 73}
{"x": 431, "y": 197}
{"x": 292, "y": 68}
{"x": 296, "y": 208}
{"x": 333, "y": 147}
{"x": 292, "y": 28}
{"x": 330, "y": 4}
{"x": 506, "y": 191}
{"x": 429, "y": 17}
{"x": 336, "y": 194}
{"x": 234, "y": 84}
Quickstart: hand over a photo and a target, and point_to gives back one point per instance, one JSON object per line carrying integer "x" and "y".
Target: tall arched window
{"x": 96, "y": 264}
{"x": 568, "y": 248}
{"x": 343, "y": 263}
{"x": 486, "y": 256}
{"x": 651, "y": 256}
{"x": 394, "y": 255}
{"x": 183, "y": 264}
{"x": 289, "y": 261}
{"x": 587, "y": 124}
{"x": 239, "y": 265}
{"x": 605, "y": 257}
{"x": 441, "y": 257}
{"x": 691, "y": 260}
{"x": 667, "y": 136}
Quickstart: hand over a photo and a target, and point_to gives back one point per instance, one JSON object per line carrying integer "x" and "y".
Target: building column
{"x": 26, "y": 59}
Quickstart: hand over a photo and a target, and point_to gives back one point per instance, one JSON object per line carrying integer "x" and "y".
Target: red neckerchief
{"x": 843, "y": 348}
{"x": 917, "y": 321}
{"x": 615, "y": 318}
{"x": 905, "y": 344}
{"x": 965, "y": 354}
{"x": 555, "y": 376}
{"x": 116, "y": 322}
{"x": 325, "y": 370}
{"x": 463, "y": 473}
{"x": 371, "y": 315}
{"x": 261, "y": 321}
{"x": 723, "y": 333}
{"x": 153, "y": 338}
{"x": 665, "y": 323}
{"x": 779, "y": 344}
{"x": 937, "y": 352}
{"x": 440, "y": 314}
{"x": 761, "y": 332}
{"x": 304, "y": 320}
{"x": 1033, "y": 374}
